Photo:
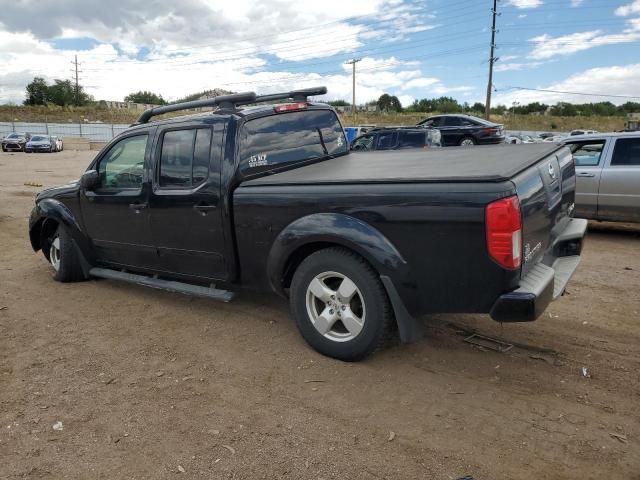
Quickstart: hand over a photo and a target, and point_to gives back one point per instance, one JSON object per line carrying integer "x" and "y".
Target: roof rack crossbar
{"x": 230, "y": 102}
{"x": 223, "y": 101}
{"x": 295, "y": 95}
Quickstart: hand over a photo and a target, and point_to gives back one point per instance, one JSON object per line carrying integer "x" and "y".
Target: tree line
{"x": 444, "y": 104}
{"x": 64, "y": 92}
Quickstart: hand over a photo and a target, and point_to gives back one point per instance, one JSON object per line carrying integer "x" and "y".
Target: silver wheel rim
{"x": 335, "y": 306}
{"x": 466, "y": 143}
{"x": 54, "y": 253}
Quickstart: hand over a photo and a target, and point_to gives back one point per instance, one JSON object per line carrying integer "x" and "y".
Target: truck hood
{"x": 497, "y": 163}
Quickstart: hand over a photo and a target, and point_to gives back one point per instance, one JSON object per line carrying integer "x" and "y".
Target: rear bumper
{"x": 546, "y": 281}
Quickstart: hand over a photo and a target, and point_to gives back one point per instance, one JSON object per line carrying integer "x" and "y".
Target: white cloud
{"x": 546, "y": 46}
{"x": 109, "y": 75}
{"x": 576, "y": 3}
{"x": 629, "y": 9}
{"x": 618, "y": 80}
{"x": 516, "y": 66}
{"x": 526, "y": 3}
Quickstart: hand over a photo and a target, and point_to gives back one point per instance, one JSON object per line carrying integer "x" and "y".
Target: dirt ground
{"x": 154, "y": 385}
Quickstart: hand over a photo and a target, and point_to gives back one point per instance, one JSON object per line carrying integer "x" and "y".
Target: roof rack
{"x": 223, "y": 101}
{"x": 230, "y": 102}
{"x": 295, "y": 95}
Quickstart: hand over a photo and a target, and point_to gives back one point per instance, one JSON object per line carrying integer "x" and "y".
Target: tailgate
{"x": 546, "y": 191}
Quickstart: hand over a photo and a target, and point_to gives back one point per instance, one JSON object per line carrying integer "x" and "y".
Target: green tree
{"x": 478, "y": 107}
{"x": 339, "y": 103}
{"x": 564, "y": 109}
{"x": 37, "y": 92}
{"x": 62, "y": 92}
{"x": 144, "y": 96}
{"x": 389, "y": 103}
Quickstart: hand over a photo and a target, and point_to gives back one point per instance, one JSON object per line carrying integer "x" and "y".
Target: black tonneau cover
{"x": 497, "y": 163}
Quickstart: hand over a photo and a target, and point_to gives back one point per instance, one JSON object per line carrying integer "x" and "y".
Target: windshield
{"x": 39, "y": 138}
{"x": 362, "y": 143}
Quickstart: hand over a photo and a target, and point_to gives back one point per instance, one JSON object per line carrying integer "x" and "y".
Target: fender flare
{"x": 358, "y": 236}
{"x": 52, "y": 209}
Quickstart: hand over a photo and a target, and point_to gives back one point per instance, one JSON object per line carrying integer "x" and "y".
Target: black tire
{"x": 4, "y": 149}
{"x": 466, "y": 139}
{"x": 69, "y": 268}
{"x": 378, "y": 320}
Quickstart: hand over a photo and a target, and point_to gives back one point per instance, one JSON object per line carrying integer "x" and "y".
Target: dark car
{"x": 465, "y": 130}
{"x": 268, "y": 197}
{"x": 15, "y": 142}
{"x": 40, "y": 143}
{"x": 397, "y": 139}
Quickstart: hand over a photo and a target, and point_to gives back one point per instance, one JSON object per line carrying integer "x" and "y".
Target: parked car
{"x": 15, "y": 142}
{"x": 554, "y": 139}
{"x": 397, "y": 139}
{"x": 57, "y": 141}
{"x": 581, "y": 132}
{"x": 465, "y": 130}
{"x": 608, "y": 175}
{"x": 40, "y": 143}
{"x": 517, "y": 139}
{"x": 268, "y": 197}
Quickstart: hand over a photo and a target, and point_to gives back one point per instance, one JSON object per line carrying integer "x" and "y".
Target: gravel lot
{"x": 152, "y": 385}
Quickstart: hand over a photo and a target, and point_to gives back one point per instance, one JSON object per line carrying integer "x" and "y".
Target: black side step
{"x": 180, "y": 287}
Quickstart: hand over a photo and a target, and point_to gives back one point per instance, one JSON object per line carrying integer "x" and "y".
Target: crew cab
{"x": 608, "y": 175}
{"x": 268, "y": 197}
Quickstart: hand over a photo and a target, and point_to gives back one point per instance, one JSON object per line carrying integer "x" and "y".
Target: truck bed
{"x": 497, "y": 163}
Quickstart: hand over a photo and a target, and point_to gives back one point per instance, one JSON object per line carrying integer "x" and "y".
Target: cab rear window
{"x": 280, "y": 140}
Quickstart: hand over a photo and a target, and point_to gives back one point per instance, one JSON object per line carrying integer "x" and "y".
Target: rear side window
{"x": 386, "y": 140}
{"x": 184, "y": 161}
{"x": 587, "y": 154}
{"x": 280, "y": 140}
{"x": 432, "y": 122}
{"x": 412, "y": 139}
{"x": 452, "y": 122}
{"x": 626, "y": 152}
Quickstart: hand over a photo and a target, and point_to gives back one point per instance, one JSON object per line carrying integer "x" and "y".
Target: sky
{"x": 409, "y": 48}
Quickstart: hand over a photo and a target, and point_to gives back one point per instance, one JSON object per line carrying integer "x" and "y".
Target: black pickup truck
{"x": 268, "y": 197}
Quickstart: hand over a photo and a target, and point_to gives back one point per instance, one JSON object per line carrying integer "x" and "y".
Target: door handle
{"x": 585, "y": 174}
{"x": 203, "y": 208}
{"x": 138, "y": 206}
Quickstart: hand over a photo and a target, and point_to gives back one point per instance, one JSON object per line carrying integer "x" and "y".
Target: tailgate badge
{"x": 552, "y": 171}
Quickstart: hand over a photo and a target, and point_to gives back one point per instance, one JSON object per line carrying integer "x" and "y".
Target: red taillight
{"x": 491, "y": 131}
{"x": 289, "y": 107}
{"x": 504, "y": 232}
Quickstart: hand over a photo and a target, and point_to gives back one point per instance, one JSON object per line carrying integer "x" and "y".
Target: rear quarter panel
{"x": 437, "y": 228}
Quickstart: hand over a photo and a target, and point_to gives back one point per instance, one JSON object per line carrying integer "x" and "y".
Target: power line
{"x": 571, "y": 93}
{"x": 353, "y": 63}
{"x": 492, "y": 59}
{"x": 77, "y": 92}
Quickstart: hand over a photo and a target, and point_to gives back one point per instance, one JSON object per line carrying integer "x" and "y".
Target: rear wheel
{"x": 467, "y": 142}
{"x": 340, "y": 305}
{"x": 62, "y": 254}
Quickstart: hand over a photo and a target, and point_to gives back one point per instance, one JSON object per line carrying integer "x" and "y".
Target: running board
{"x": 171, "y": 286}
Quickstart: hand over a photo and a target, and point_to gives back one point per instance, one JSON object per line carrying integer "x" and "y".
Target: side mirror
{"x": 90, "y": 180}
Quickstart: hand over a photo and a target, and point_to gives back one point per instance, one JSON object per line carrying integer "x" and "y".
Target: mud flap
{"x": 409, "y": 328}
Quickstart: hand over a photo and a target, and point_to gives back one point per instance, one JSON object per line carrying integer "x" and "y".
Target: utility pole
{"x": 77, "y": 90}
{"x": 492, "y": 60}
{"x": 353, "y": 103}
